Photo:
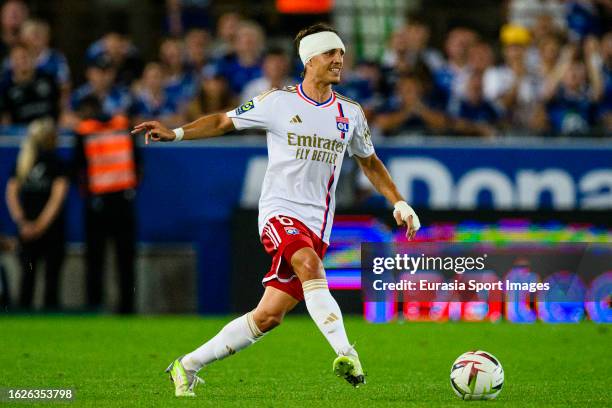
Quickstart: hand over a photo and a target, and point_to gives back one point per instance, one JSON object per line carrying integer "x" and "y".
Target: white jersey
{"x": 306, "y": 144}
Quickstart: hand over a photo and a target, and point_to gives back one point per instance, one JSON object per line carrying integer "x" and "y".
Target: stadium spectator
{"x": 409, "y": 112}
{"x": 480, "y": 58}
{"x": 180, "y": 83}
{"x": 409, "y": 47}
{"x": 364, "y": 84}
{"x": 109, "y": 197}
{"x": 227, "y": 27}
{"x": 582, "y": 17}
{"x": 244, "y": 64}
{"x": 543, "y": 30}
{"x": 36, "y": 36}
{"x": 549, "y": 49}
{"x": 35, "y": 196}
{"x": 406, "y": 55}
{"x": 572, "y": 101}
{"x": 528, "y": 13}
{"x": 395, "y": 57}
{"x": 605, "y": 112}
{"x": 12, "y": 16}
{"x": 197, "y": 43}
{"x": 115, "y": 99}
{"x": 449, "y": 78}
{"x": 151, "y": 100}
{"x": 123, "y": 56}
{"x": 473, "y": 115}
{"x": 213, "y": 96}
{"x": 26, "y": 93}
{"x": 183, "y": 15}
{"x": 514, "y": 89}
{"x": 275, "y": 69}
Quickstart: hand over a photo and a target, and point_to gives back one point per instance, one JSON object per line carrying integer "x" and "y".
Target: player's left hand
{"x": 405, "y": 215}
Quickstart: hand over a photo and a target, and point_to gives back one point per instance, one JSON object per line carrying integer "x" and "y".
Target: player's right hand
{"x": 154, "y": 131}
{"x": 405, "y": 215}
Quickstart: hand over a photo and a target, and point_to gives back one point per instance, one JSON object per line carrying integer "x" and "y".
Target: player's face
{"x": 327, "y": 67}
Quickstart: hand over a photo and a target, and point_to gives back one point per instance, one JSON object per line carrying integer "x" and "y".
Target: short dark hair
{"x": 313, "y": 29}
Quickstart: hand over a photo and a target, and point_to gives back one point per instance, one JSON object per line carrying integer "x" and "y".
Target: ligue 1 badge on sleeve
{"x": 245, "y": 107}
{"x": 342, "y": 124}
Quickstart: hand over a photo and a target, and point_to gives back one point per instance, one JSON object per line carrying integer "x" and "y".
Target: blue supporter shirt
{"x": 412, "y": 125}
{"x": 54, "y": 63}
{"x": 182, "y": 88}
{"x": 117, "y": 101}
{"x": 237, "y": 75}
{"x": 483, "y": 112}
{"x": 571, "y": 114}
{"x": 605, "y": 107}
{"x": 51, "y": 62}
{"x": 358, "y": 89}
{"x": 582, "y": 19}
{"x": 144, "y": 106}
{"x": 444, "y": 81}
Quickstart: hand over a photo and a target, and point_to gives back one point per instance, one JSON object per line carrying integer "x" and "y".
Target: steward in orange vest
{"x": 107, "y": 170}
{"x": 109, "y": 154}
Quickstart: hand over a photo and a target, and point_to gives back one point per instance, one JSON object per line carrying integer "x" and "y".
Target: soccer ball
{"x": 477, "y": 375}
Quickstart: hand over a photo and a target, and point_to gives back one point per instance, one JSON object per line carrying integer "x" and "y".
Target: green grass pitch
{"x": 119, "y": 362}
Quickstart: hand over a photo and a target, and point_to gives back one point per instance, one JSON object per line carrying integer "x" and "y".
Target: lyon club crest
{"x": 342, "y": 124}
{"x": 292, "y": 231}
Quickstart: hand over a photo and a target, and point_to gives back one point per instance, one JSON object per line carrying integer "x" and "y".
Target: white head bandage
{"x": 318, "y": 43}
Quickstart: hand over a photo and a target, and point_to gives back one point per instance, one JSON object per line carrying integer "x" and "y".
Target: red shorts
{"x": 282, "y": 237}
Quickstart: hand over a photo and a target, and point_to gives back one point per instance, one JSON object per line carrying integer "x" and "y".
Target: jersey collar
{"x": 305, "y": 97}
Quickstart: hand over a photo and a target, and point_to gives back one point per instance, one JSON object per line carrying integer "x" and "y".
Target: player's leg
{"x": 321, "y": 305}
{"x": 325, "y": 312}
{"x": 243, "y": 331}
{"x": 272, "y": 308}
{"x": 233, "y": 337}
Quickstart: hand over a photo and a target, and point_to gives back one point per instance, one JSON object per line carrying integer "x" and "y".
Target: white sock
{"x": 236, "y": 335}
{"x": 326, "y": 313}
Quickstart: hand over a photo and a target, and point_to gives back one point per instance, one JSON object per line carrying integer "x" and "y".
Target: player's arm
{"x": 207, "y": 126}
{"x": 377, "y": 173}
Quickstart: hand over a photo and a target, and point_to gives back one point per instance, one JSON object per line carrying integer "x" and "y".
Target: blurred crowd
{"x": 548, "y": 73}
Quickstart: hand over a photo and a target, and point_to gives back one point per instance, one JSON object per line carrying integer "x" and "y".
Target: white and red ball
{"x": 477, "y": 375}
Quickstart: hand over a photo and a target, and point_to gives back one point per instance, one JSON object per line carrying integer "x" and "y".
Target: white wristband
{"x": 405, "y": 212}
{"x": 178, "y": 134}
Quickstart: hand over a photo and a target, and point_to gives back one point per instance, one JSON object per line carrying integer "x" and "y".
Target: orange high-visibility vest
{"x": 304, "y": 6}
{"x": 109, "y": 152}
